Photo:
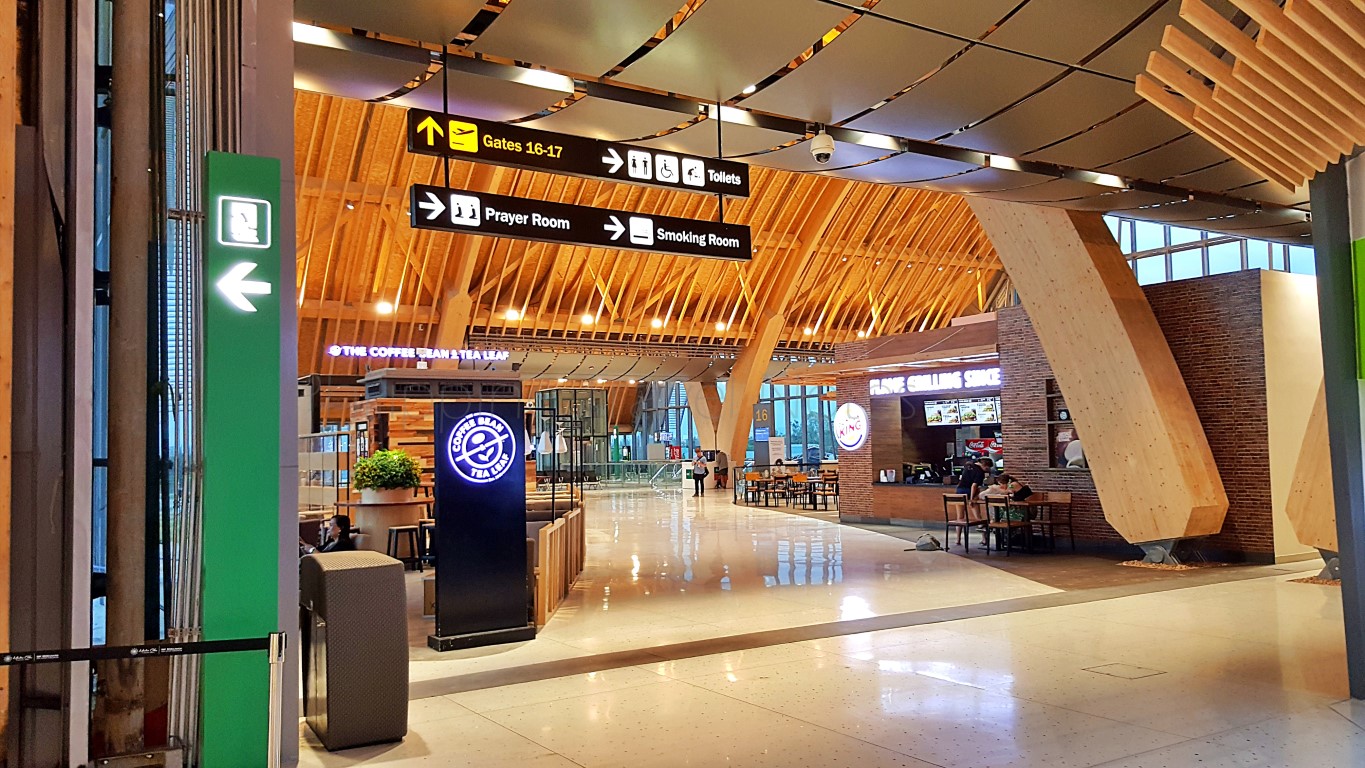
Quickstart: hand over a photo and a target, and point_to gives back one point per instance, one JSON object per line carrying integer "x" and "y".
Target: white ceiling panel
{"x": 1180, "y": 156}
{"x": 1075, "y": 103}
{"x": 870, "y": 61}
{"x": 488, "y": 98}
{"x": 1054, "y": 191}
{"x": 353, "y": 75}
{"x": 587, "y": 37}
{"x": 968, "y": 18}
{"x": 798, "y": 158}
{"x": 728, "y": 45}
{"x": 976, "y": 85}
{"x": 611, "y": 120}
{"x": 432, "y": 21}
{"x": 1066, "y": 30}
{"x": 737, "y": 139}
{"x": 1124, "y": 136}
{"x": 985, "y": 180}
{"x": 906, "y": 169}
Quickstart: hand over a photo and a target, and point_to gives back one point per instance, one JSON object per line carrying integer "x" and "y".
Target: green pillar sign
{"x": 241, "y": 443}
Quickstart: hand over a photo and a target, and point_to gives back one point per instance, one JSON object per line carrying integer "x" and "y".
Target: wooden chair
{"x": 1057, "y": 513}
{"x": 825, "y": 490}
{"x": 999, "y": 511}
{"x": 751, "y": 489}
{"x": 956, "y": 514}
{"x": 798, "y": 489}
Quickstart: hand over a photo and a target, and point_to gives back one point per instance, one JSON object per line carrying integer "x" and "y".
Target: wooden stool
{"x": 396, "y": 533}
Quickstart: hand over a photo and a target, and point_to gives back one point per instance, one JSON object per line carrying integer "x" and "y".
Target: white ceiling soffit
{"x": 1224, "y": 176}
{"x": 487, "y": 98}
{"x": 968, "y": 18}
{"x": 1180, "y": 156}
{"x": 907, "y": 168}
{"x": 872, "y": 60}
{"x": 611, "y": 120}
{"x": 1050, "y": 192}
{"x": 736, "y": 139}
{"x": 1072, "y": 104}
{"x": 1066, "y": 30}
{"x": 432, "y": 21}
{"x": 798, "y": 158}
{"x": 986, "y": 180}
{"x": 350, "y": 74}
{"x": 1274, "y": 193}
{"x": 726, "y": 46}
{"x": 588, "y": 37}
{"x": 1133, "y": 132}
{"x": 974, "y": 86}
{"x": 1118, "y": 198}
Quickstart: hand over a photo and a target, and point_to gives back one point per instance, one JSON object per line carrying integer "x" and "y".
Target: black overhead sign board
{"x": 467, "y": 138}
{"x": 479, "y": 213}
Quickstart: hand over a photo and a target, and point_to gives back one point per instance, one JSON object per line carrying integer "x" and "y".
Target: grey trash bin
{"x": 355, "y": 648}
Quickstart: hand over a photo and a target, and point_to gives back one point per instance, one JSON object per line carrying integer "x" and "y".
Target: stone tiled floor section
{"x": 836, "y": 647}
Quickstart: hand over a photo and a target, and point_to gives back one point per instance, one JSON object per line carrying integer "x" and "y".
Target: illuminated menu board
{"x": 979, "y": 410}
{"x": 939, "y": 413}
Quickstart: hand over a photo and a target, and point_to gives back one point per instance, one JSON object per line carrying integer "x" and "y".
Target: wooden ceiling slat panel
{"x": 351, "y": 258}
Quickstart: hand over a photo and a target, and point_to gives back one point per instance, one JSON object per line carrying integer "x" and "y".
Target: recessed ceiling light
{"x": 721, "y": 326}
{"x": 862, "y": 334}
{"x": 384, "y": 308}
{"x": 562, "y": 380}
{"x": 750, "y": 90}
{"x": 512, "y": 314}
{"x": 601, "y": 381}
{"x": 632, "y": 381}
{"x": 350, "y": 206}
{"x": 809, "y": 331}
{"x": 587, "y": 319}
{"x": 656, "y": 323}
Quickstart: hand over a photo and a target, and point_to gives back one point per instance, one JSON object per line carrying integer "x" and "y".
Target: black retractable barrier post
{"x": 274, "y": 643}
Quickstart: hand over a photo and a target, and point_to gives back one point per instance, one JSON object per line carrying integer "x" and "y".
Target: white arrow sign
{"x": 234, "y": 288}
{"x": 612, "y": 159}
{"x": 615, "y": 228}
{"x": 433, "y": 204}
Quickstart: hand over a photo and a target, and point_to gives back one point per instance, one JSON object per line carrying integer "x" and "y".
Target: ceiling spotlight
{"x": 660, "y": 381}
{"x": 384, "y": 308}
{"x": 656, "y": 323}
{"x": 809, "y": 331}
{"x": 862, "y": 334}
{"x": 512, "y": 315}
{"x": 750, "y": 90}
{"x": 563, "y": 380}
{"x": 601, "y": 381}
{"x": 721, "y": 326}
{"x": 632, "y": 381}
{"x": 878, "y": 263}
{"x": 350, "y": 206}
{"x": 587, "y": 319}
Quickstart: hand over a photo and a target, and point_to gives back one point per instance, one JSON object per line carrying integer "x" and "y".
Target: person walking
{"x": 699, "y": 473}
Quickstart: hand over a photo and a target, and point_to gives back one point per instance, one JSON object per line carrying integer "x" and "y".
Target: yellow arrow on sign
{"x": 432, "y": 128}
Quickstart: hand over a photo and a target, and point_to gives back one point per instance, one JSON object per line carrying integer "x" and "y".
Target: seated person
{"x": 780, "y": 469}
{"x": 338, "y": 538}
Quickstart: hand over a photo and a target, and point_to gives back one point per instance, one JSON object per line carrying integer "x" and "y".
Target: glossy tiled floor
{"x": 1240, "y": 673}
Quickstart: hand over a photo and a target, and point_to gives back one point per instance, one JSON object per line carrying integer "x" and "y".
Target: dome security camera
{"x": 822, "y": 147}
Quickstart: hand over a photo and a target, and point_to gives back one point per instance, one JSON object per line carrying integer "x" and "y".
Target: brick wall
{"x": 1213, "y": 327}
{"x": 856, "y": 474}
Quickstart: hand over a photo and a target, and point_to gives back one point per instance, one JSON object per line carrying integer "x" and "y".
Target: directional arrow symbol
{"x": 432, "y": 128}
{"x": 615, "y": 227}
{"x": 612, "y": 159}
{"x": 234, "y": 288}
{"x": 433, "y": 204}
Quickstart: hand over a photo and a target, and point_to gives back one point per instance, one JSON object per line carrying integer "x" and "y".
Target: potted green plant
{"x": 386, "y": 476}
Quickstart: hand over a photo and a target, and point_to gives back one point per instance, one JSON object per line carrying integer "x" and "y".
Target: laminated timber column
{"x": 746, "y": 382}
{"x": 770, "y": 307}
{"x": 703, "y": 397}
{"x": 1147, "y": 451}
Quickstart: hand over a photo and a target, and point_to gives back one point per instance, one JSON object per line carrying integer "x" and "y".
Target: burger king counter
{"x": 900, "y": 503}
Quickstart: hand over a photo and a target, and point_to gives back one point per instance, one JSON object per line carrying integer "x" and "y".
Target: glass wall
{"x": 1159, "y": 253}
{"x": 799, "y": 415}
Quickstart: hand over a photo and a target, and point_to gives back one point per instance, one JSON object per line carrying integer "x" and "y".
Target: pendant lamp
{"x": 561, "y": 445}
{"x": 545, "y": 446}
